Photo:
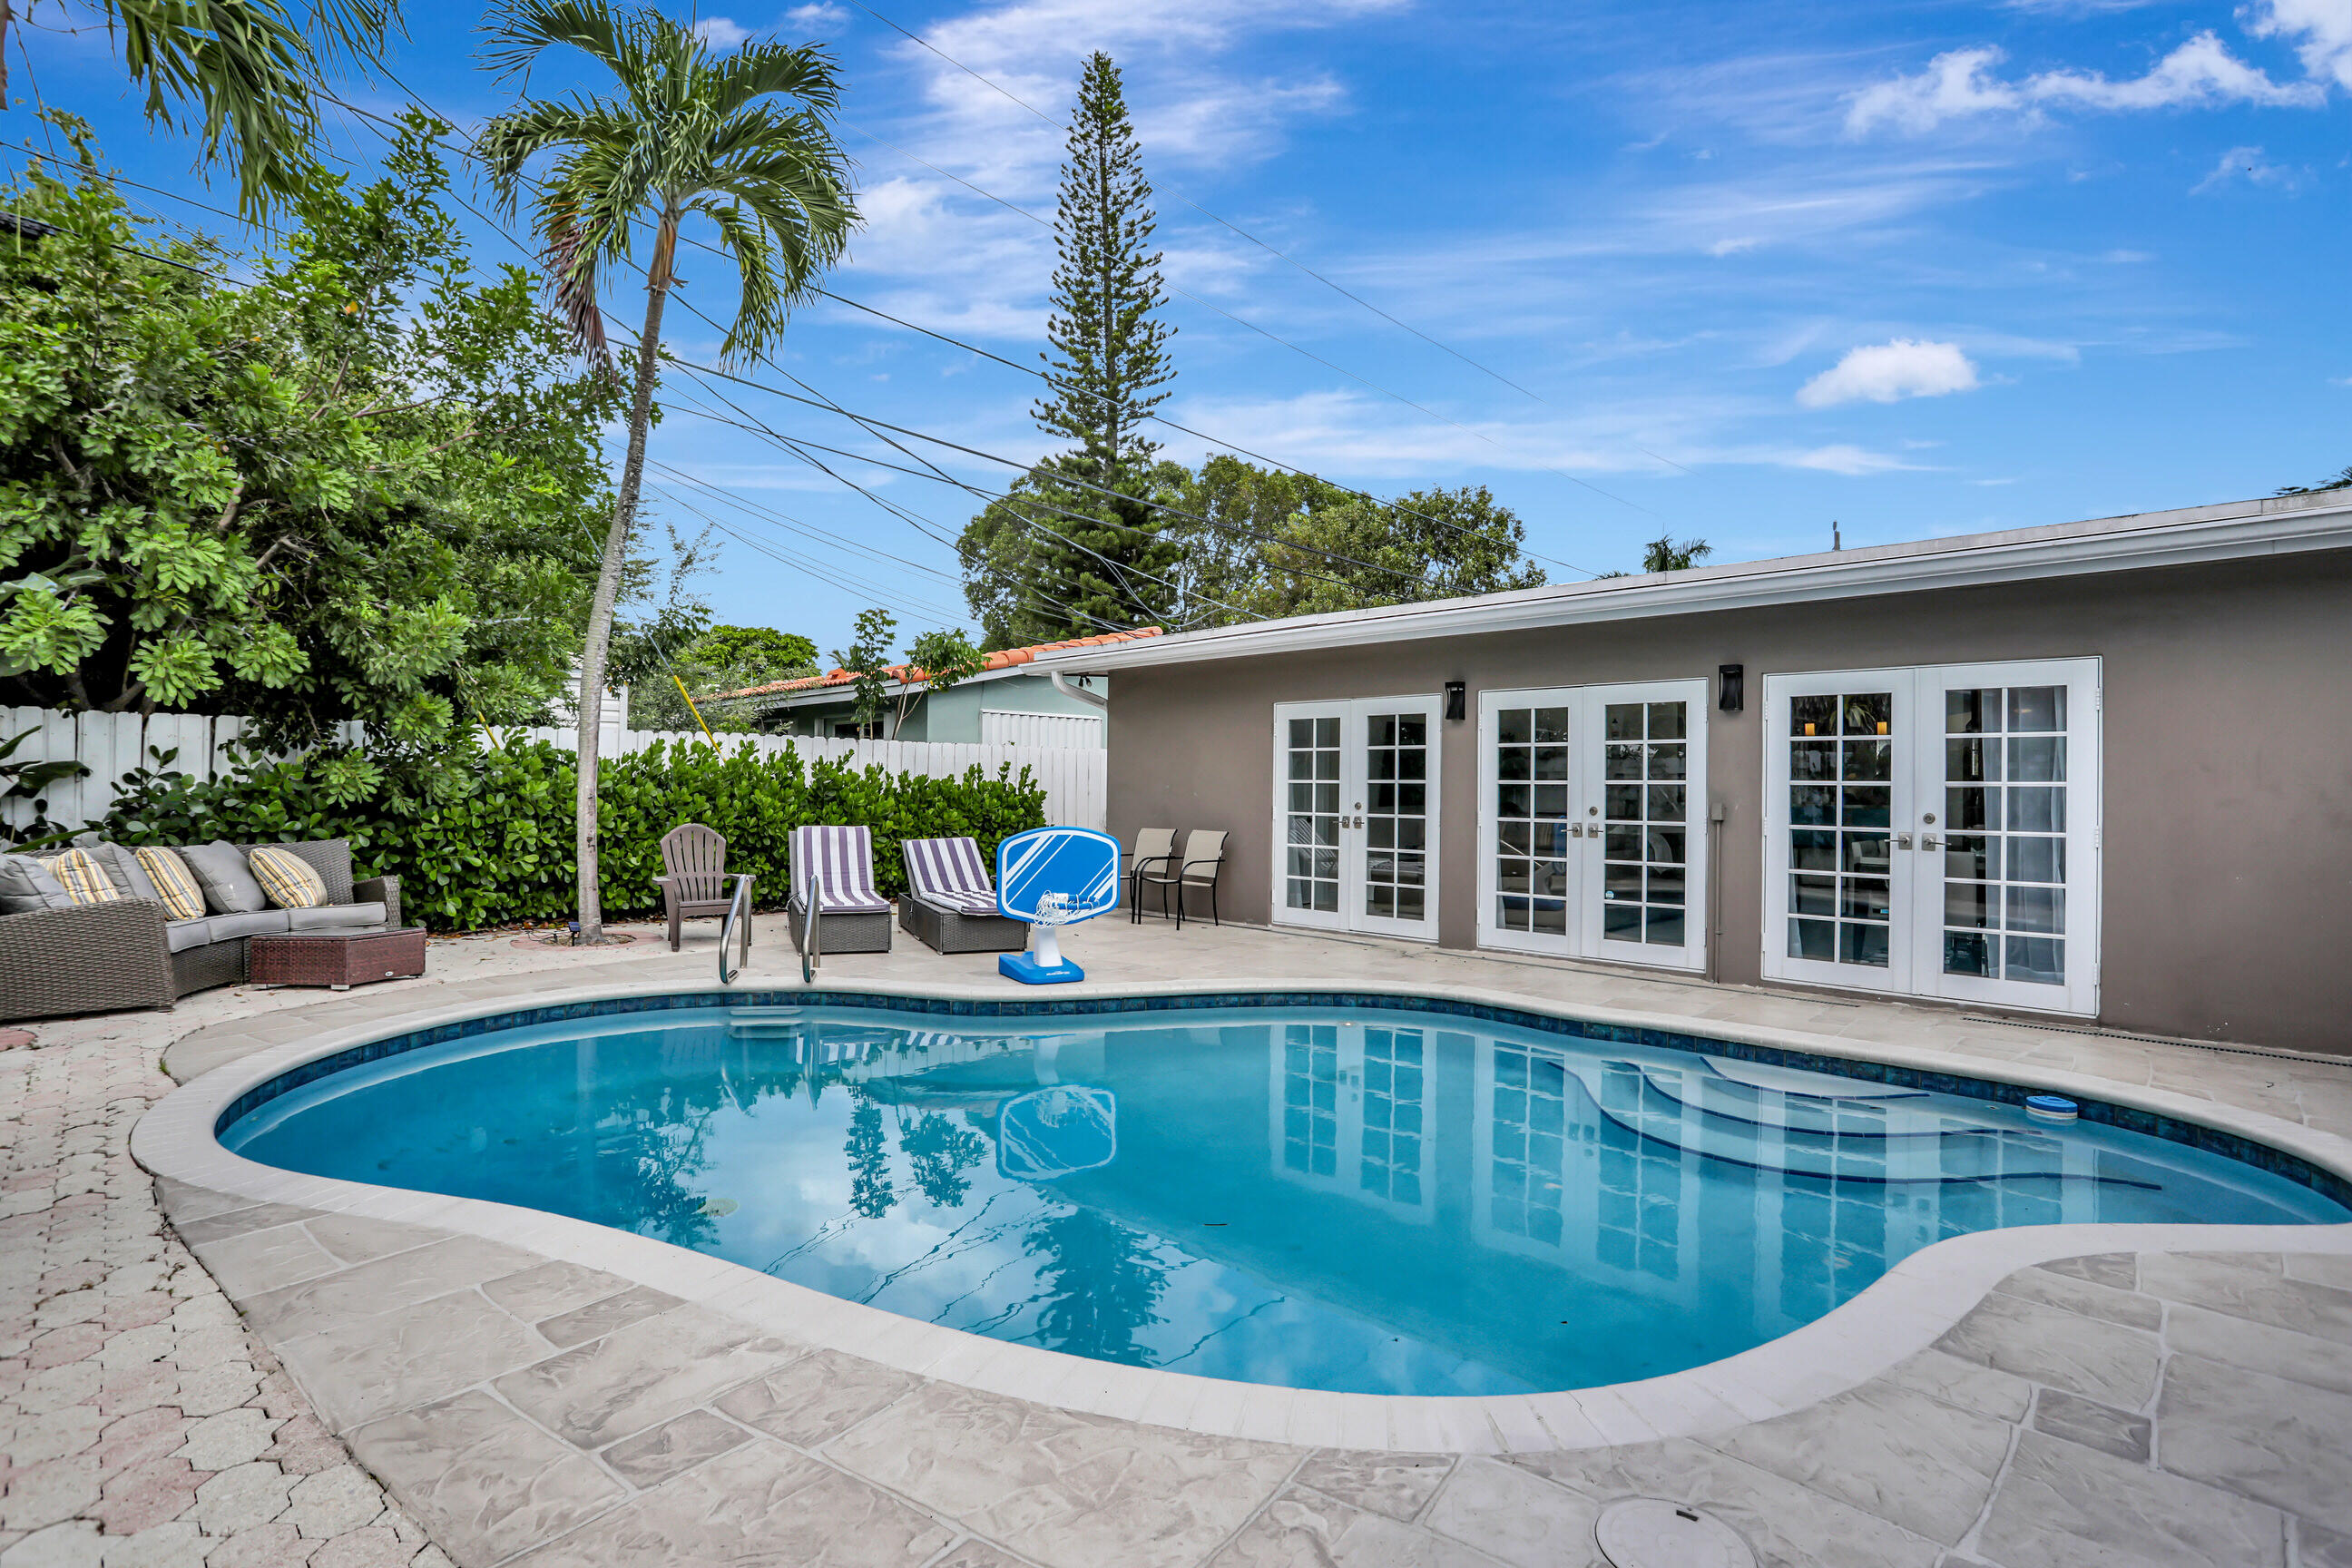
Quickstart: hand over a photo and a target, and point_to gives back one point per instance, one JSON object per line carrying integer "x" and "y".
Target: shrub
{"x": 485, "y": 837}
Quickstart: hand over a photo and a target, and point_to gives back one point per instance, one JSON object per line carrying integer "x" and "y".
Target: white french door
{"x": 1355, "y": 808}
{"x": 1934, "y": 832}
{"x": 1592, "y": 822}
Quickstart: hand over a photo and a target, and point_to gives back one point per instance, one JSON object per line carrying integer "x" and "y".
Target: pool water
{"x": 1367, "y": 1201}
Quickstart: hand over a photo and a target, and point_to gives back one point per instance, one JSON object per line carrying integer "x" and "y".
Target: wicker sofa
{"x": 98, "y": 958}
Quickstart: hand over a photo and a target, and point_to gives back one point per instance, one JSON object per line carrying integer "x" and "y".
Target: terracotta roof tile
{"x": 1004, "y": 658}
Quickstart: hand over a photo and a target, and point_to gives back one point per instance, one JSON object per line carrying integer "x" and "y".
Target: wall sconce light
{"x": 1457, "y": 700}
{"x": 1731, "y": 687}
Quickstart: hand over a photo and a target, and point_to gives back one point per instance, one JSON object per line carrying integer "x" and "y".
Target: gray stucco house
{"x": 1009, "y": 702}
{"x": 2100, "y": 770}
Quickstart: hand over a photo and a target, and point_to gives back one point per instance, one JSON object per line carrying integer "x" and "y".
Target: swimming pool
{"x": 1383, "y": 1196}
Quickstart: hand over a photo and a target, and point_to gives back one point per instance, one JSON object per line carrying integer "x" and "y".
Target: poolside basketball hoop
{"x": 1051, "y": 877}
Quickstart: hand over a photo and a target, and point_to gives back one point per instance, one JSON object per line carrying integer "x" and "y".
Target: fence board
{"x": 111, "y": 744}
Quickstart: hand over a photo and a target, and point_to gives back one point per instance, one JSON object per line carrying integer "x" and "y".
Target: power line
{"x": 1274, "y": 252}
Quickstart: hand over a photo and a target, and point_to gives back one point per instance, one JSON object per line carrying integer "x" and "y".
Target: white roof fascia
{"x": 2237, "y": 529}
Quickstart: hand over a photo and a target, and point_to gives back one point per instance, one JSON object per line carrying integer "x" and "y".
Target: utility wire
{"x": 1271, "y": 250}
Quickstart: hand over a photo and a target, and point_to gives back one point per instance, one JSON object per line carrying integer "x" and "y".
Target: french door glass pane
{"x": 1530, "y": 820}
{"x": 1311, "y": 779}
{"x": 1646, "y": 846}
{"x": 1841, "y": 804}
{"x": 2004, "y": 845}
{"x": 1396, "y": 820}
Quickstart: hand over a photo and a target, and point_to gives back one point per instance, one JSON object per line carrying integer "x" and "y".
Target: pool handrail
{"x": 738, "y": 912}
{"x": 812, "y": 945}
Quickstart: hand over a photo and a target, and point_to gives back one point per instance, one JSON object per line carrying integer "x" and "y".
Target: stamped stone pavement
{"x": 2122, "y": 1409}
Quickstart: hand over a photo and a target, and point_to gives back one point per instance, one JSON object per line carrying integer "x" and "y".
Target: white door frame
{"x": 1917, "y": 827}
{"x": 1585, "y": 857}
{"x": 1357, "y": 808}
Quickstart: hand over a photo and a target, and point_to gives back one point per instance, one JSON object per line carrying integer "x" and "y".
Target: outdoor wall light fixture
{"x": 1731, "y": 683}
{"x": 1457, "y": 700}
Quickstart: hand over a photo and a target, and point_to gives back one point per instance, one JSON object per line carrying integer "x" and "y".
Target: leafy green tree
{"x": 357, "y": 488}
{"x": 935, "y": 661}
{"x": 247, "y": 73}
{"x": 746, "y": 140}
{"x": 709, "y": 661}
{"x": 1074, "y": 548}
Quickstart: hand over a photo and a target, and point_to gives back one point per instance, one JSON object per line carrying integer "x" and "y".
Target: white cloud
{"x": 1960, "y": 84}
{"x": 1883, "y": 373}
{"x": 2321, "y": 30}
{"x": 2242, "y": 164}
{"x": 1956, "y": 83}
{"x": 822, "y": 16}
{"x": 1732, "y": 247}
{"x": 1850, "y": 460}
{"x": 2200, "y": 72}
{"x": 722, "y": 32}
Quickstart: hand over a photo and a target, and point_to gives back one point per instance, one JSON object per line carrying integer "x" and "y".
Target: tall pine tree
{"x": 1075, "y": 548}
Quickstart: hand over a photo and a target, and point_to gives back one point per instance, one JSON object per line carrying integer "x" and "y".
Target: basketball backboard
{"x": 1077, "y": 862}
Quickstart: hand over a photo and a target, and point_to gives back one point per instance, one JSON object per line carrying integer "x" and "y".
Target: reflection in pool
{"x": 1367, "y": 1201}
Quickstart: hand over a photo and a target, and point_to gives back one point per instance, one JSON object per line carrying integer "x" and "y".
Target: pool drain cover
{"x": 1651, "y": 1532}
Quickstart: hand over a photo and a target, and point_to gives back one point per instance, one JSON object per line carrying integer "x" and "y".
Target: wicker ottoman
{"x": 337, "y": 959}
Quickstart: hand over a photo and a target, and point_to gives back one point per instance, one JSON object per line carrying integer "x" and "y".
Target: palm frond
{"x": 245, "y": 66}
{"x": 519, "y": 30}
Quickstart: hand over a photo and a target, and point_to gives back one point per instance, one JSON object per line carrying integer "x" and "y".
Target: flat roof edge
{"x": 2224, "y": 530}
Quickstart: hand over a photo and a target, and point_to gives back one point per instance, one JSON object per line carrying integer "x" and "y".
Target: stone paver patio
{"x": 2159, "y": 1408}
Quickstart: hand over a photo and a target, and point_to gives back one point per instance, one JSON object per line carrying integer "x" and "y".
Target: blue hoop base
{"x": 1021, "y": 966}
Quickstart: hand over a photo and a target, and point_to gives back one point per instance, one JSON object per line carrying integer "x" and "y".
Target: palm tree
{"x": 688, "y": 131}
{"x": 250, "y": 70}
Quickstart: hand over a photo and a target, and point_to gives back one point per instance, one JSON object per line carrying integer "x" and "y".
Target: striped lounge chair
{"x": 840, "y": 860}
{"x": 949, "y": 904}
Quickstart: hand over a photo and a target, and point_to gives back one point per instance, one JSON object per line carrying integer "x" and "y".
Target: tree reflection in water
{"x": 870, "y": 1190}
{"x": 940, "y": 1152}
{"x": 1100, "y": 1286}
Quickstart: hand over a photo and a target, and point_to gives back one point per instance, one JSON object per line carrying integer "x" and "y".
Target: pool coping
{"x": 1905, "y": 1312}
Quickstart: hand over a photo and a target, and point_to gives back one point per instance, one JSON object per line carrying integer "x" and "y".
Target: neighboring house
{"x": 1007, "y": 703}
{"x": 2101, "y": 770}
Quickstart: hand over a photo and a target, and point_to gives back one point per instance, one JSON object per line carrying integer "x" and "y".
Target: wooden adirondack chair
{"x": 695, "y": 886}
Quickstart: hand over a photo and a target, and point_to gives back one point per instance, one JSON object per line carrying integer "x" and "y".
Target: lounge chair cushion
{"x": 334, "y": 917}
{"x": 180, "y": 935}
{"x": 175, "y": 886}
{"x": 228, "y": 882}
{"x": 840, "y": 860}
{"x": 286, "y": 878}
{"x": 27, "y": 884}
{"x": 948, "y": 873}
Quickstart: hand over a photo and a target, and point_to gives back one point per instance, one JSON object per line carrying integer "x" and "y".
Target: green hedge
{"x": 483, "y": 838}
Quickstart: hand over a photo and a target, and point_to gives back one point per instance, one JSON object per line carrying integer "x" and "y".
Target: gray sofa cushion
{"x": 25, "y": 886}
{"x": 259, "y": 922}
{"x": 180, "y": 935}
{"x": 130, "y": 877}
{"x": 228, "y": 882}
{"x": 336, "y": 917}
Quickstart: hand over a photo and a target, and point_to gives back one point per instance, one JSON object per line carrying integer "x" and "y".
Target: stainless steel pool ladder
{"x": 739, "y": 912}
{"x": 812, "y": 945}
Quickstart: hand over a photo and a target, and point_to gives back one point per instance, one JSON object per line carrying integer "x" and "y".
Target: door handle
{"x": 1903, "y": 841}
{"x": 1929, "y": 841}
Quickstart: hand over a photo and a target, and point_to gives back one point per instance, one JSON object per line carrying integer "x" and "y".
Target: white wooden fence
{"x": 111, "y": 744}
{"x": 1006, "y": 727}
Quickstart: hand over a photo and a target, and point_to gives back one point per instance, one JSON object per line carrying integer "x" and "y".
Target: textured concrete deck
{"x": 2156, "y": 1408}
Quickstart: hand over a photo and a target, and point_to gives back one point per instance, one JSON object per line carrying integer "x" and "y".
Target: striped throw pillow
{"x": 287, "y": 878}
{"x": 84, "y": 880}
{"x": 174, "y": 883}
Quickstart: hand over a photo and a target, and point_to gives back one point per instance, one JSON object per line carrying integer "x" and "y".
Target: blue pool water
{"x": 1363, "y": 1200}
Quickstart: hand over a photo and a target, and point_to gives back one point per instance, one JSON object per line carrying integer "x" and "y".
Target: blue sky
{"x": 1733, "y": 270}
